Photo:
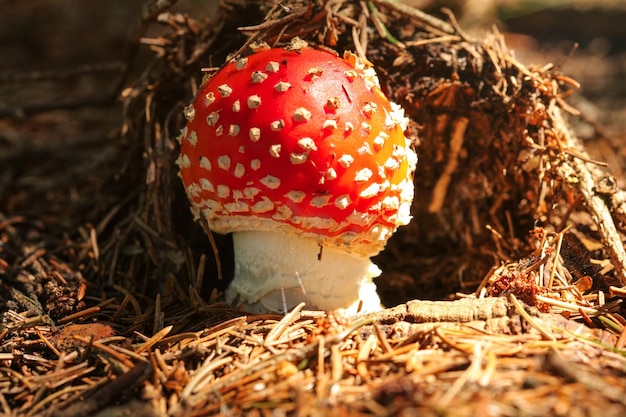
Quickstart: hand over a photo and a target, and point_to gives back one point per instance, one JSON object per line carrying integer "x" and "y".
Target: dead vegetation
{"x": 111, "y": 293}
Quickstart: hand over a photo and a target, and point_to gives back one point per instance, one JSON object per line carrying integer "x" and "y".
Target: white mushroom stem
{"x": 274, "y": 271}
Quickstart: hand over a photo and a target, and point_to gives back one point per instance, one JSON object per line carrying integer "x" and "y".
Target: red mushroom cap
{"x": 299, "y": 141}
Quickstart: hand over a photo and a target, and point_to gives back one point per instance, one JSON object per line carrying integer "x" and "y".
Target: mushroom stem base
{"x": 275, "y": 272}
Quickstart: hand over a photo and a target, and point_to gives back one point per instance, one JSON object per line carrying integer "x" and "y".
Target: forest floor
{"x": 89, "y": 326}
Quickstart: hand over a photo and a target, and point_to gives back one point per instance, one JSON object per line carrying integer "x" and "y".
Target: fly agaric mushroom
{"x": 299, "y": 154}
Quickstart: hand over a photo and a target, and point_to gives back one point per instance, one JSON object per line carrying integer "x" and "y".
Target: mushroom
{"x": 300, "y": 155}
